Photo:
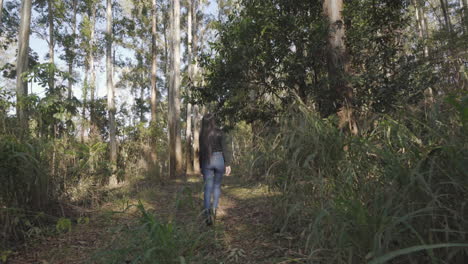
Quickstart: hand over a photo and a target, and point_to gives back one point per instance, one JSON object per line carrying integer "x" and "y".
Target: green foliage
{"x": 386, "y": 73}
{"x": 269, "y": 52}
{"x": 10, "y": 24}
{"x": 397, "y": 190}
{"x": 23, "y": 178}
{"x": 36, "y": 173}
{"x": 153, "y": 241}
{"x": 4, "y": 255}
{"x": 266, "y": 54}
{"x": 41, "y": 73}
{"x": 64, "y": 225}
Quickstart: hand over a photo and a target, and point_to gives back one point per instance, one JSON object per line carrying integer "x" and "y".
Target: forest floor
{"x": 243, "y": 232}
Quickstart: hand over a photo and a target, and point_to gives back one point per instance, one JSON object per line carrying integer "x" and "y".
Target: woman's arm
{"x": 227, "y": 152}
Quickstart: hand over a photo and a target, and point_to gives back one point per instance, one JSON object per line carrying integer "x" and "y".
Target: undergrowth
{"x": 396, "y": 193}
{"x": 154, "y": 239}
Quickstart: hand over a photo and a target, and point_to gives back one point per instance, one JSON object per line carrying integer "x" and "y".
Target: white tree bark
{"x": 154, "y": 89}
{"x": 422, "y": 23}
{"x": 337, "y": 64}
{"x": 188, "y": 130}
{"x": 92, "y": 83}
{"x": 71, "y": 62}
{"x": 110, "y": 95}
{"x": 22, "y": 63}
{"x": 154, "y": 70}
{"x": 464, "y": 15}
{"x": 175, "y": 162}
{"x": 51, "y": 42}
{"x": 1, "y": 10}
{"x": 196, "y": 112}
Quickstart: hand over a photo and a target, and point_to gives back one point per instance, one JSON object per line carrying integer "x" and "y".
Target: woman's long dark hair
{"x": 208, "y": 134}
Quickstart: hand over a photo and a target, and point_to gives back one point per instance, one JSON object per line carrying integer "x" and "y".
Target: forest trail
{"x": 242, "y": 234}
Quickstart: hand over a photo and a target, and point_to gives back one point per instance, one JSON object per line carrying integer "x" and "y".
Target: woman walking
{"x": 215, "y": 156}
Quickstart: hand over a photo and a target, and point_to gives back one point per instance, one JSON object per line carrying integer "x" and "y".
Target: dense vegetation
{"x": 354, "y": 113}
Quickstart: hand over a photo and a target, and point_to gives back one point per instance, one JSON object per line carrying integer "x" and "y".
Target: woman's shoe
{"x": 209, "y": 218}
{"x": 213, "y": 211}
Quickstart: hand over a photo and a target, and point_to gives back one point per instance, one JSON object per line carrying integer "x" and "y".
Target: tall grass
{"x": 37, "y": 176}
{"x": 398, "y": 191}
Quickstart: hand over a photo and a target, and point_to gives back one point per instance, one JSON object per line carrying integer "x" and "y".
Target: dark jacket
{"x": 221, "y": 142}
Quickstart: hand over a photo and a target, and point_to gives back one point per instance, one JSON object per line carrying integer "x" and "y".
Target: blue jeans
{"x": 212, "y": 176}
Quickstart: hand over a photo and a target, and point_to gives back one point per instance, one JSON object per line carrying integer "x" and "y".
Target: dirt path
{"x": 242, "y": 233}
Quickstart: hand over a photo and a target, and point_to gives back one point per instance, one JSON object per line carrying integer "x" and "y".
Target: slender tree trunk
{"x": 22, "y": 64}
{"x": 448, "y": 23}
{"x": 154, "y": 88}
{"x": 422, "y": 24}
{"x": 92, "y": 82}
{"x": 196, "y": 113}
{"x": 337, "y": 64}
{"x": 175, "y": 162}
{"x": 142, "y": 100}
{"x": 154, "y": 69}
{"x": 1, "y": 10}
{"x": 85, "y": 98}
{"x": 110, "y": 96}
{"x": 168, "y": 48}
{"x": 72, "y": 58}
{"x": 463, "y": 15}
{"x": 51, "y": 43}
{"x": 188, "y": 130}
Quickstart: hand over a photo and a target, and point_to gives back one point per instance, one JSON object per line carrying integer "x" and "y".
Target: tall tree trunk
{"x": 464, "y": 15}
{"x": 154, "y": 88}
{"x": 175, "y": 162}
{"x": 343, "y": 94}
{"x": 72, "y": 59}
{"x": 50, "y": 3}
{"x": 154, "y": 69}
{"x": 445, "y": 12}
{"x": 166, "y": 33}
{"x": 22, "y": 64}
{"x": 196, "y": 113}
{"x": 92, "y": 82}
{"x": 110, "y": 96}
{"x": 421, "y": 20}
{"x": 85, "y": 98}
{"x": 1, "y": 10}
{"x": 188, "y": 129}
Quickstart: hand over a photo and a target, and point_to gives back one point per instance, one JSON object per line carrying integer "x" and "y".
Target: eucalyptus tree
{"x": 1, "y": 10}
{"x": 445, "y": 12}
{"x": 336, "y": 55}
{"x": 22, "y": 64}
{"x": 175, "y": 145}
{"x": 46, "y": 26}
{"x": 464, "y": 14}
{"x": 50, "y": 18}
{"x": 188, "y": 131}
{"x": 71, "y": 57}
{"x": 92, "y": 10}
{"x": 422, "y": 25}
{"x": 154, "y": 61}
{"x": 154, "y": 71}
{"x": 81, "y": 50}
{"x": 111, "y": 93}
{"x": 195, "y": 148}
